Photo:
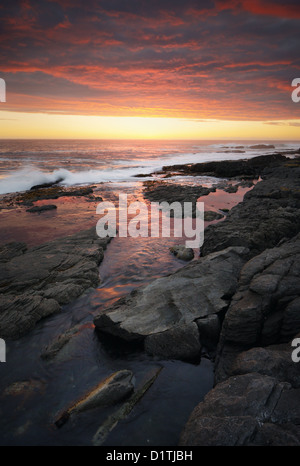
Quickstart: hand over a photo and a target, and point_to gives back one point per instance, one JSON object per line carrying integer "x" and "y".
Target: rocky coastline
{"x": 238, "y": 304}
{"x": 242, "y": 297}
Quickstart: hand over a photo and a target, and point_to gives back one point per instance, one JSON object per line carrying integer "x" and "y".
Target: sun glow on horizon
{"x": 21, "y": 125}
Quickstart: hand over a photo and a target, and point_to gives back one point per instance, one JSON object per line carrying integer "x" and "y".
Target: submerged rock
{"x": 183, "y": 253}
{"x": 51, "y": 350}
{"x": 25, "y": 388}
{"x": 112, "y": 421}
{"x": 210, "y": 215}
{"x": 113, "y": 389}
{"x": 42, "y": 208}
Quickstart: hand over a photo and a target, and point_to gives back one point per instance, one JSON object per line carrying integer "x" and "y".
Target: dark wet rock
{"x": 113, "y": 389}
{"x": 197, "y": 290}
{"x": 123, "y": 412}
{"x": 256, "y": 396}
{"x": 20, "y": 312}
{"x": 46, "y": 185}
{"x": 50, "y": 192}
{"x": 268, "y": 213}
{"x": 262, "y": 146}
{"x": 231, "y": 188}
{"x": 232, "y": 151}
{"x": 244, "y": 168}
{"x": 183, "y": 253}
{"x": 265, "y": 309}
{"x": 209, "y": 329}
{"x": 283, "y": 435}
{"x": 42, "y": 208}
{"x": 142, "y": 175}
{"x": 210, "y": 215}
{"x": 92, "y": 198}
{"x": 237, "y": 410}
{"x": 180, "y": 342}
{"x": 24, "y": 388}
{"x": 273, "y": 360}
{"x": 159, "y": 191}
{"x": 246, "y": 184}
{"x": 10, "y": 250}
{"x": 225, "y": 211}
{"x": 51, "y": 350}
{"x": 36, "y": 282}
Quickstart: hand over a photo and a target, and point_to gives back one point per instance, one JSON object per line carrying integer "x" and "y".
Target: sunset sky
{"x": 150, "y": 69}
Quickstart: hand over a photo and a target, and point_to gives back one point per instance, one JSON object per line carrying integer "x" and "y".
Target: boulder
{"x": 265, "y": 308}
{"x": 197, "y": 290}
{"x": 245, "y": 410}
{"x": 182, "y": 253}
{"x": 274, "y": 361}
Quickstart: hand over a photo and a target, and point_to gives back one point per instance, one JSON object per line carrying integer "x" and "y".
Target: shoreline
{"x": 273, "y": 198}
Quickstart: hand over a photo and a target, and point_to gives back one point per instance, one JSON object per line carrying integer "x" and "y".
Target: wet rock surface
{"x": 248, "y": 409}
{"x": 248, "y": 168}
{"x": 41, "y": 208}
{"x": 35, "y": 282}
{"x": 158, "y": 311}
{"x": 160, "y": 191}
{"x": 113, "y": 389}
{"x": 255, "y": 400}
{"x": 50, "y": 191}
{"x": 183, "y": 253}
{"x": 268, "y": 214}
{"x": 265, "y": 309}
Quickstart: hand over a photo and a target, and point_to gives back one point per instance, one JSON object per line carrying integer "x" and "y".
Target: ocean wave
{"x": 25, "y": 178}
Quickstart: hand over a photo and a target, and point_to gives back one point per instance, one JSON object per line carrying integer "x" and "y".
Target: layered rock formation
{"x": 35, "y": 282}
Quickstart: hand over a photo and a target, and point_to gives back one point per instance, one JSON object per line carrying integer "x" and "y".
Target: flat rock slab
{"x": 197, "y": 290}
{"x": 35, "y": 282}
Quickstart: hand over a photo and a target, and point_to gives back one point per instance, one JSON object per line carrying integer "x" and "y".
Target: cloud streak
{"x": 231, "y": 59}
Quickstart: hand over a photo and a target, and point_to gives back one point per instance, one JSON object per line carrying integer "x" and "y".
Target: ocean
{"x": 25, "y": 163}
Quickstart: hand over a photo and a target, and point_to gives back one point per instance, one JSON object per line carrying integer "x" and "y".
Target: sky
{"x": 190, "y": 69}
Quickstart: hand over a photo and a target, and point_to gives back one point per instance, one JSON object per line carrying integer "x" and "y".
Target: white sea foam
{"x": 26, "y": 178}
{"x": 120, "y": 163}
